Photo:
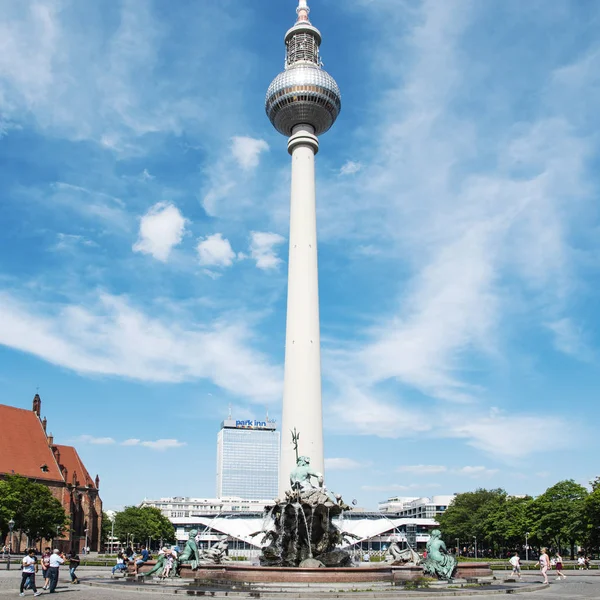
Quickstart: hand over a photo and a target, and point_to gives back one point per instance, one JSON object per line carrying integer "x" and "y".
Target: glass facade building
{"x": 248, "y": 460}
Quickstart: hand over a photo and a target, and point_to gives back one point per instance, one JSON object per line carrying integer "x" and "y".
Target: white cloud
{"x": 83, "y": 81}
{"x": 106, "y": 335}
{"x": 246, "y": 151}
{"x": 215, "y": 251}
{"x": 163, "y": 444}
{"x": 218, "y": 191}
{"x": 94, "y": 206}
{"x": 509, "y": 436}
{"x": 570, "y": 339}
{"x": 397, "y": 487}
{"x": 475, "y": 472}
{"x": 505, "y": 437}
{"x": 422, "y": 469}
{"x": 343, "y": 464}
{"x": 363, "y": 413}
{"x": 161, "y": 229}
{"x": 146, "y": 176}
{"x": 97, "y": 441}
{"x": 350, "y": 168}
{"x": 262, "y": 249}
{"x": 69, "y": 242}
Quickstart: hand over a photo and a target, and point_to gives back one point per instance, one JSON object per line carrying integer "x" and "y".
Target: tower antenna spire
{"x": 302, "y": 11}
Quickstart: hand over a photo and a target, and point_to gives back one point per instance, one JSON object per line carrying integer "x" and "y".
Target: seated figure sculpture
{"x": 190, "y": 554}
{"x": 216, "y": 554}
{"x": 396, "y": 556}
{"x": 439, "y": 562}
{"x": 300, "y": 477}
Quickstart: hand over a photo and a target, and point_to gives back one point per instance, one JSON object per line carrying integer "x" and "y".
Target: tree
{"x": 560, "y": 515}
{"x": 106, "y": 530}
{"x": 508, "y": 522}
{"x": 35, "y": 511}
{"x": 143, "y": 523}
{"x": 592, "y": 512}
{"x": 9, "y": 502}
{"x": 466, "y": 517}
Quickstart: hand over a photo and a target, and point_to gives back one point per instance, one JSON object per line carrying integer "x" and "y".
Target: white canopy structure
{"x": 366, "y": 526}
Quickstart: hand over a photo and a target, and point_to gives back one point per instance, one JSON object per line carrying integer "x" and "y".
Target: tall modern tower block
{"x": 248, "y": 460}
{"x": 302, "y": 103}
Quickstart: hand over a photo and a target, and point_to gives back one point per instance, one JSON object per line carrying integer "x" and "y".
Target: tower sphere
{"x": 304, "y": 94}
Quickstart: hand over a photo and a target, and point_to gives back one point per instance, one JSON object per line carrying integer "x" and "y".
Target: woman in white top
{"x": 544, "y": 563}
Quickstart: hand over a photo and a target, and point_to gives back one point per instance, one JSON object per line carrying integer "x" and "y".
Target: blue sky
{"x": 144, "y": 207}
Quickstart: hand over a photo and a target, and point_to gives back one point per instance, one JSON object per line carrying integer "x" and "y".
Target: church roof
{"x": 24, "y": 448}
{"x": 71, "y": 460}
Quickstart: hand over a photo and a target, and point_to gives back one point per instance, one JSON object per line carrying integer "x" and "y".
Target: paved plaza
{"x": 578, "y": 586}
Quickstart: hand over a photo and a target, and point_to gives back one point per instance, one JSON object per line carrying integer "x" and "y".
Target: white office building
{"x": 180, "y": 507}
{"x": 416, "y": 508}
{"x": 247, "y": 459}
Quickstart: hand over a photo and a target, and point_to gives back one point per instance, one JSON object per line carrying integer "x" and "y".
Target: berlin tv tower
{"x": 302, "y": 103}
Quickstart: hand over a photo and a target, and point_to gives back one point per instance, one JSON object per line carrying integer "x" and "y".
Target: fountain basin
{"x": 236, "y": 573}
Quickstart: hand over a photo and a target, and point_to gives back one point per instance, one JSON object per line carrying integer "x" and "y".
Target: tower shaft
{"x": 302, "y": 408}
{"x": 302, "y": 103}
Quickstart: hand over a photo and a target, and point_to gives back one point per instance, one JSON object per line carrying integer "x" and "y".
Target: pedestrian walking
{"x": 45, "y": 566}
{"x": 515, "y": 561}
{"x": 543, "y": 563}
{"x": 559, "y": 566}
{"x": 28, "y": 573}
{"x": 57, "y": 558}
{"x": 74, "y": 561}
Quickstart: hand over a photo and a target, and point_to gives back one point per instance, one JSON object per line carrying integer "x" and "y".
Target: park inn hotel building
{"x": 247, "y": 459}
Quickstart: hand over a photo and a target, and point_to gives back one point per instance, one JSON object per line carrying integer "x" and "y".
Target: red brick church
{"x": 56, "y": 466}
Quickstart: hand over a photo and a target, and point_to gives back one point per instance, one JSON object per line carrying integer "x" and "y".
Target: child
{"x": 558, "y": 565}
{"x": 45, "y": 566}
{"x": 170, "y": 556}
{"x": 515, "y": 561}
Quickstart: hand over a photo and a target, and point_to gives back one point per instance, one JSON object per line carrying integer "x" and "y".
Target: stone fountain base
{"x": 236, "y": 573}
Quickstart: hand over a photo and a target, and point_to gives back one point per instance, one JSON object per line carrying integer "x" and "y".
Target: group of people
{"x": 583, "y": 562}
{"x": 545, "y": 563}
{"x": 50, "y": 563}
{"x": 129, "y": 557}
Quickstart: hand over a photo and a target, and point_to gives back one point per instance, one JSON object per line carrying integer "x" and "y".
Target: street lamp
{"x": 112, "y": 537}
{"x": 475, "y": 538}
{"x": 527, "y": 546}
{"x": 11, "y": 525}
